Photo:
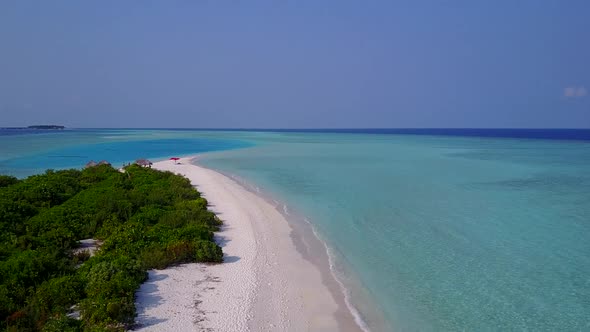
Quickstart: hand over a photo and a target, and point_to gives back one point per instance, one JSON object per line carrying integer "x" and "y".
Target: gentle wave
{"x": 345, "y": 291}
{"x": 358, "y": 319}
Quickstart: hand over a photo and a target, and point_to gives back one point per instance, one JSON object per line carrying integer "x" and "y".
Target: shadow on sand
{"x": 147, "y": 298}
{"x": 231, "y": 259}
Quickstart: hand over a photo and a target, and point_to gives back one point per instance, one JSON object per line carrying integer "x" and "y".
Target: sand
{"x": 89, "y": 245}
{"x": 264, "y": 284}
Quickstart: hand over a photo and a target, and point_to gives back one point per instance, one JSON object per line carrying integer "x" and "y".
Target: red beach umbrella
{"x": 175, "y": 159}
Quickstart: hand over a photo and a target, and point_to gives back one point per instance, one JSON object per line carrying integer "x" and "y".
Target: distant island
{"x": 43, "y": 127}
{"x": 46, "y": 127}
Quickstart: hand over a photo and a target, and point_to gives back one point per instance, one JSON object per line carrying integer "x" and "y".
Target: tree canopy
{"x": 144, "y": 219}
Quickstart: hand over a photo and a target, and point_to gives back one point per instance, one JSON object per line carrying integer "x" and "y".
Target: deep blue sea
{"x": 429, "y": 230}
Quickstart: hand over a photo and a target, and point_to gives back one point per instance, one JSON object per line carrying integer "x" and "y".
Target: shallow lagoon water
{"x": 22, "y": 155}
{"x": 443, "y": 233}
{"x": 436, "y": 232}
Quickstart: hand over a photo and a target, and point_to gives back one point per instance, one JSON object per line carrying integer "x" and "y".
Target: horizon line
{"x": 317, "y": 128}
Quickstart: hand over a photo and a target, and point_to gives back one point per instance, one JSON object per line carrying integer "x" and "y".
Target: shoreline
{"x": 270, "y": 278}
{"x": 313, "y": 248}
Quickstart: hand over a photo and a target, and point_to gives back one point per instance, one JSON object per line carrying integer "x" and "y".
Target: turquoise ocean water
{"x": 26, "y": 152}
{"x": 434, "y": 232}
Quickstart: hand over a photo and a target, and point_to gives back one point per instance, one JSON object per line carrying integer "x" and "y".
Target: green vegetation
{"x": 145, "y": 219}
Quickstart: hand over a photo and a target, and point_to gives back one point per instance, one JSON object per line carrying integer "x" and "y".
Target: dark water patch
{"x": 549, "y": 134}
{"x": 62, "y": 156}
{"x": 28, "y": 131}
{"x": 549, "y": 183}
{"x": 556, "y": 154}
{"x": 518, "y": 133}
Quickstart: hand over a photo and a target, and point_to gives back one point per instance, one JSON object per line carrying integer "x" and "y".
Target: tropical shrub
{"x": 144, "y": 218}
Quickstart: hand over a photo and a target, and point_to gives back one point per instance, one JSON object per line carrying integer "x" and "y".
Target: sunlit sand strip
{"x": 264, "y": 284}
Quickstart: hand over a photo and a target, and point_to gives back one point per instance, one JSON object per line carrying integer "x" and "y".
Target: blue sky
{"x": 295, "y": 64}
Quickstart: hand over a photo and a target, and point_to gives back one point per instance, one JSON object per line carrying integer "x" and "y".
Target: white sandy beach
{"x": 265, "y": 284}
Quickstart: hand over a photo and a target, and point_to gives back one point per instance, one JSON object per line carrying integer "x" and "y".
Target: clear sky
{"x": 295, "y": 64}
